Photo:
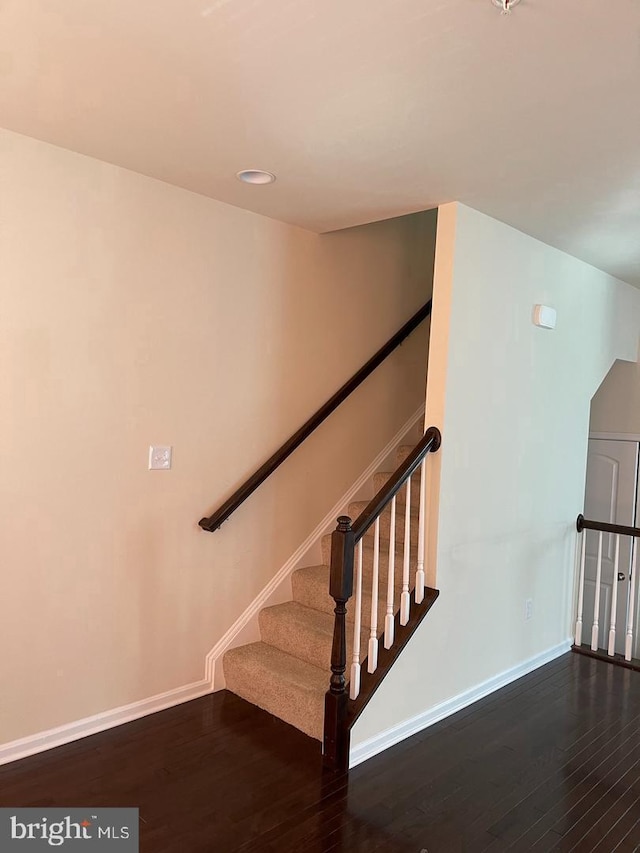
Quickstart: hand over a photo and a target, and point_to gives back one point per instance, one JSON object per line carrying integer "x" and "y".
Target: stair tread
{"x": 288, "y": 669}
{"x": 356, "y": 507}
{"x": 304, "y": 632}
{"x": 311, "y": 589}
{"x": 367, "y": 546}
{"x": 318, "y": 573}
{"x": 279, "y": 683}
{"x": 307, "y": 618}
{"x": 382, "y": 478}
{"x": 389, "y": 474}
{"x": 405, "y": 449}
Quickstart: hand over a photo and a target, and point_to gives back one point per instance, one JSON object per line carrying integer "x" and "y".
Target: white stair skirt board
{"x": 42, "y": 741}
{"x": 375, "y": 745}
{"x": 232, "y": 638}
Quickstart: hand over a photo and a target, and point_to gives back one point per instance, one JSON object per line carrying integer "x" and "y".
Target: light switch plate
{"x": 159, "y": 458}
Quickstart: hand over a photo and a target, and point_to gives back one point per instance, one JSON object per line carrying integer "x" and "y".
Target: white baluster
{"x": 422, "y": 522}
{"x": 614, "y": 599}
{"x": 596, "y": 603}
{"x": 405, "y": 598}
{"x": 372, "y": 658}
{"x": 354, "y": 680}
{"x": 628, "y": 643}
{"x": 578, "y": 635}
{"x": 389, "y": 618}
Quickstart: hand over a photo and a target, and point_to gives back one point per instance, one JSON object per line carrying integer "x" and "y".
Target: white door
{"x": 610, "y": 496}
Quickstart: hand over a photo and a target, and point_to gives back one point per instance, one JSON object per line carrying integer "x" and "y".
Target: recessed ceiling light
{"x": 255, "y": 176}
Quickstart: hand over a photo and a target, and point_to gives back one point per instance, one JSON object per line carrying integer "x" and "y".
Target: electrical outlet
{"x": 159, "y": 458}
{"x": 528, "y": 609}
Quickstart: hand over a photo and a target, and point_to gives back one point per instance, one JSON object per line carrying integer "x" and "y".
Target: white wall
{"x": 131, "y": 313}
{"x": 512, "y": 401}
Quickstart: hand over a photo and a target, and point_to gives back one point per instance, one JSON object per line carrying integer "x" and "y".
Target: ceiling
{"x": 365, "y": 109}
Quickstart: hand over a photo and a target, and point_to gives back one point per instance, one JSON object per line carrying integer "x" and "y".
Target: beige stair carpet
{"x": 288, "y": 672}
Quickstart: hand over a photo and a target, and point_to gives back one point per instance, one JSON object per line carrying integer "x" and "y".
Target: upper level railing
{"x": 213, "y": 522}
{"x": 403, "y": 531}
{"x": 583, "y": 523}
{"x": 607, "y": 571}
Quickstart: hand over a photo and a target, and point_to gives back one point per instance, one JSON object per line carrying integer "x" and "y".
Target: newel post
{"x": 336, "y": 731}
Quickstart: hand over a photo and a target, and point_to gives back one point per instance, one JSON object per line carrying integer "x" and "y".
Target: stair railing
{"x": 342, "y": 708}
{"x": 213, "y": 522}
{"x": 599, "y": 618}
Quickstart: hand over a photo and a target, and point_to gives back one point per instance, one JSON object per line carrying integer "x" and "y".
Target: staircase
{"x": 323, "y": 654}
{"x": 287, "y": 673}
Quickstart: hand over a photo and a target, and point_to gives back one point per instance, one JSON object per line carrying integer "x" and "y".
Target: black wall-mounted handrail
{"x": 429, "y": 443}
{"x": 583, "y": 523}
{"x": 214, "y": 521}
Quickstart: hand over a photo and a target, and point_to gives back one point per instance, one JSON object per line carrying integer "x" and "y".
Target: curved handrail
{"x": 213, "y": 522}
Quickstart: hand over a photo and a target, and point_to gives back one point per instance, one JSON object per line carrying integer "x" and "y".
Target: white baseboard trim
{"x": 373, "y": 746}
{"x": 327, "y": 523}
{"x": 42, "y": 741}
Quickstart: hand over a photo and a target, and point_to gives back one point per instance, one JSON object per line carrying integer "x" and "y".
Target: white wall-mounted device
{"x": 544, "y": 316}
{"x": 159, "y": 458}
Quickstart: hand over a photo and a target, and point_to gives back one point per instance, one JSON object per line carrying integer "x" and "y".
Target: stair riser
{"x": 302, "y": 709}
{"x": 402, "y": 453}
{"x": 380, "y": 480}
{"x": 385, "y": 527}
{"x": 309, "y": 646}
{"x": 383, "y": 569}
{"x": 317, "y": 596}
{"x": 367, "y": 557}
{"x": 383, "y": 574}
{"x": 383, "y": 577}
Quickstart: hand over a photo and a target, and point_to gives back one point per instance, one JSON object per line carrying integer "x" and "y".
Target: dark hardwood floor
{"x": 551, "y": 762}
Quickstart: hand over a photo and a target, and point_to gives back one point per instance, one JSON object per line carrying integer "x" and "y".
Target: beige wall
{"x": 512, "y": 401}
{"x": 132, "y": 313}
{"x": 616, "y": 404}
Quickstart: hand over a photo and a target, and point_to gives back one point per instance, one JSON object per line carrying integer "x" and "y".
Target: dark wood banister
{"x": 429, "y": 443}
{"x": 583, "y": 523}
{"x": 214, "y": 521}
{"x": 339, "y": 711}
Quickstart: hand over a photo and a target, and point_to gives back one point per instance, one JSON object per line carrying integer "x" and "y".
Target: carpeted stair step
{"x": 311, "y": 588}
{"x": 403, "y": 452}
{"x": 287, "y": 673}
{"x": 279, "y": 683}
{"x": 383, "y": 566}
{"x": 381, "y": 479}
{"x": 357, "y": 507}
{"x": 367, "y": 552}
{"x": 304, "y": 633}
